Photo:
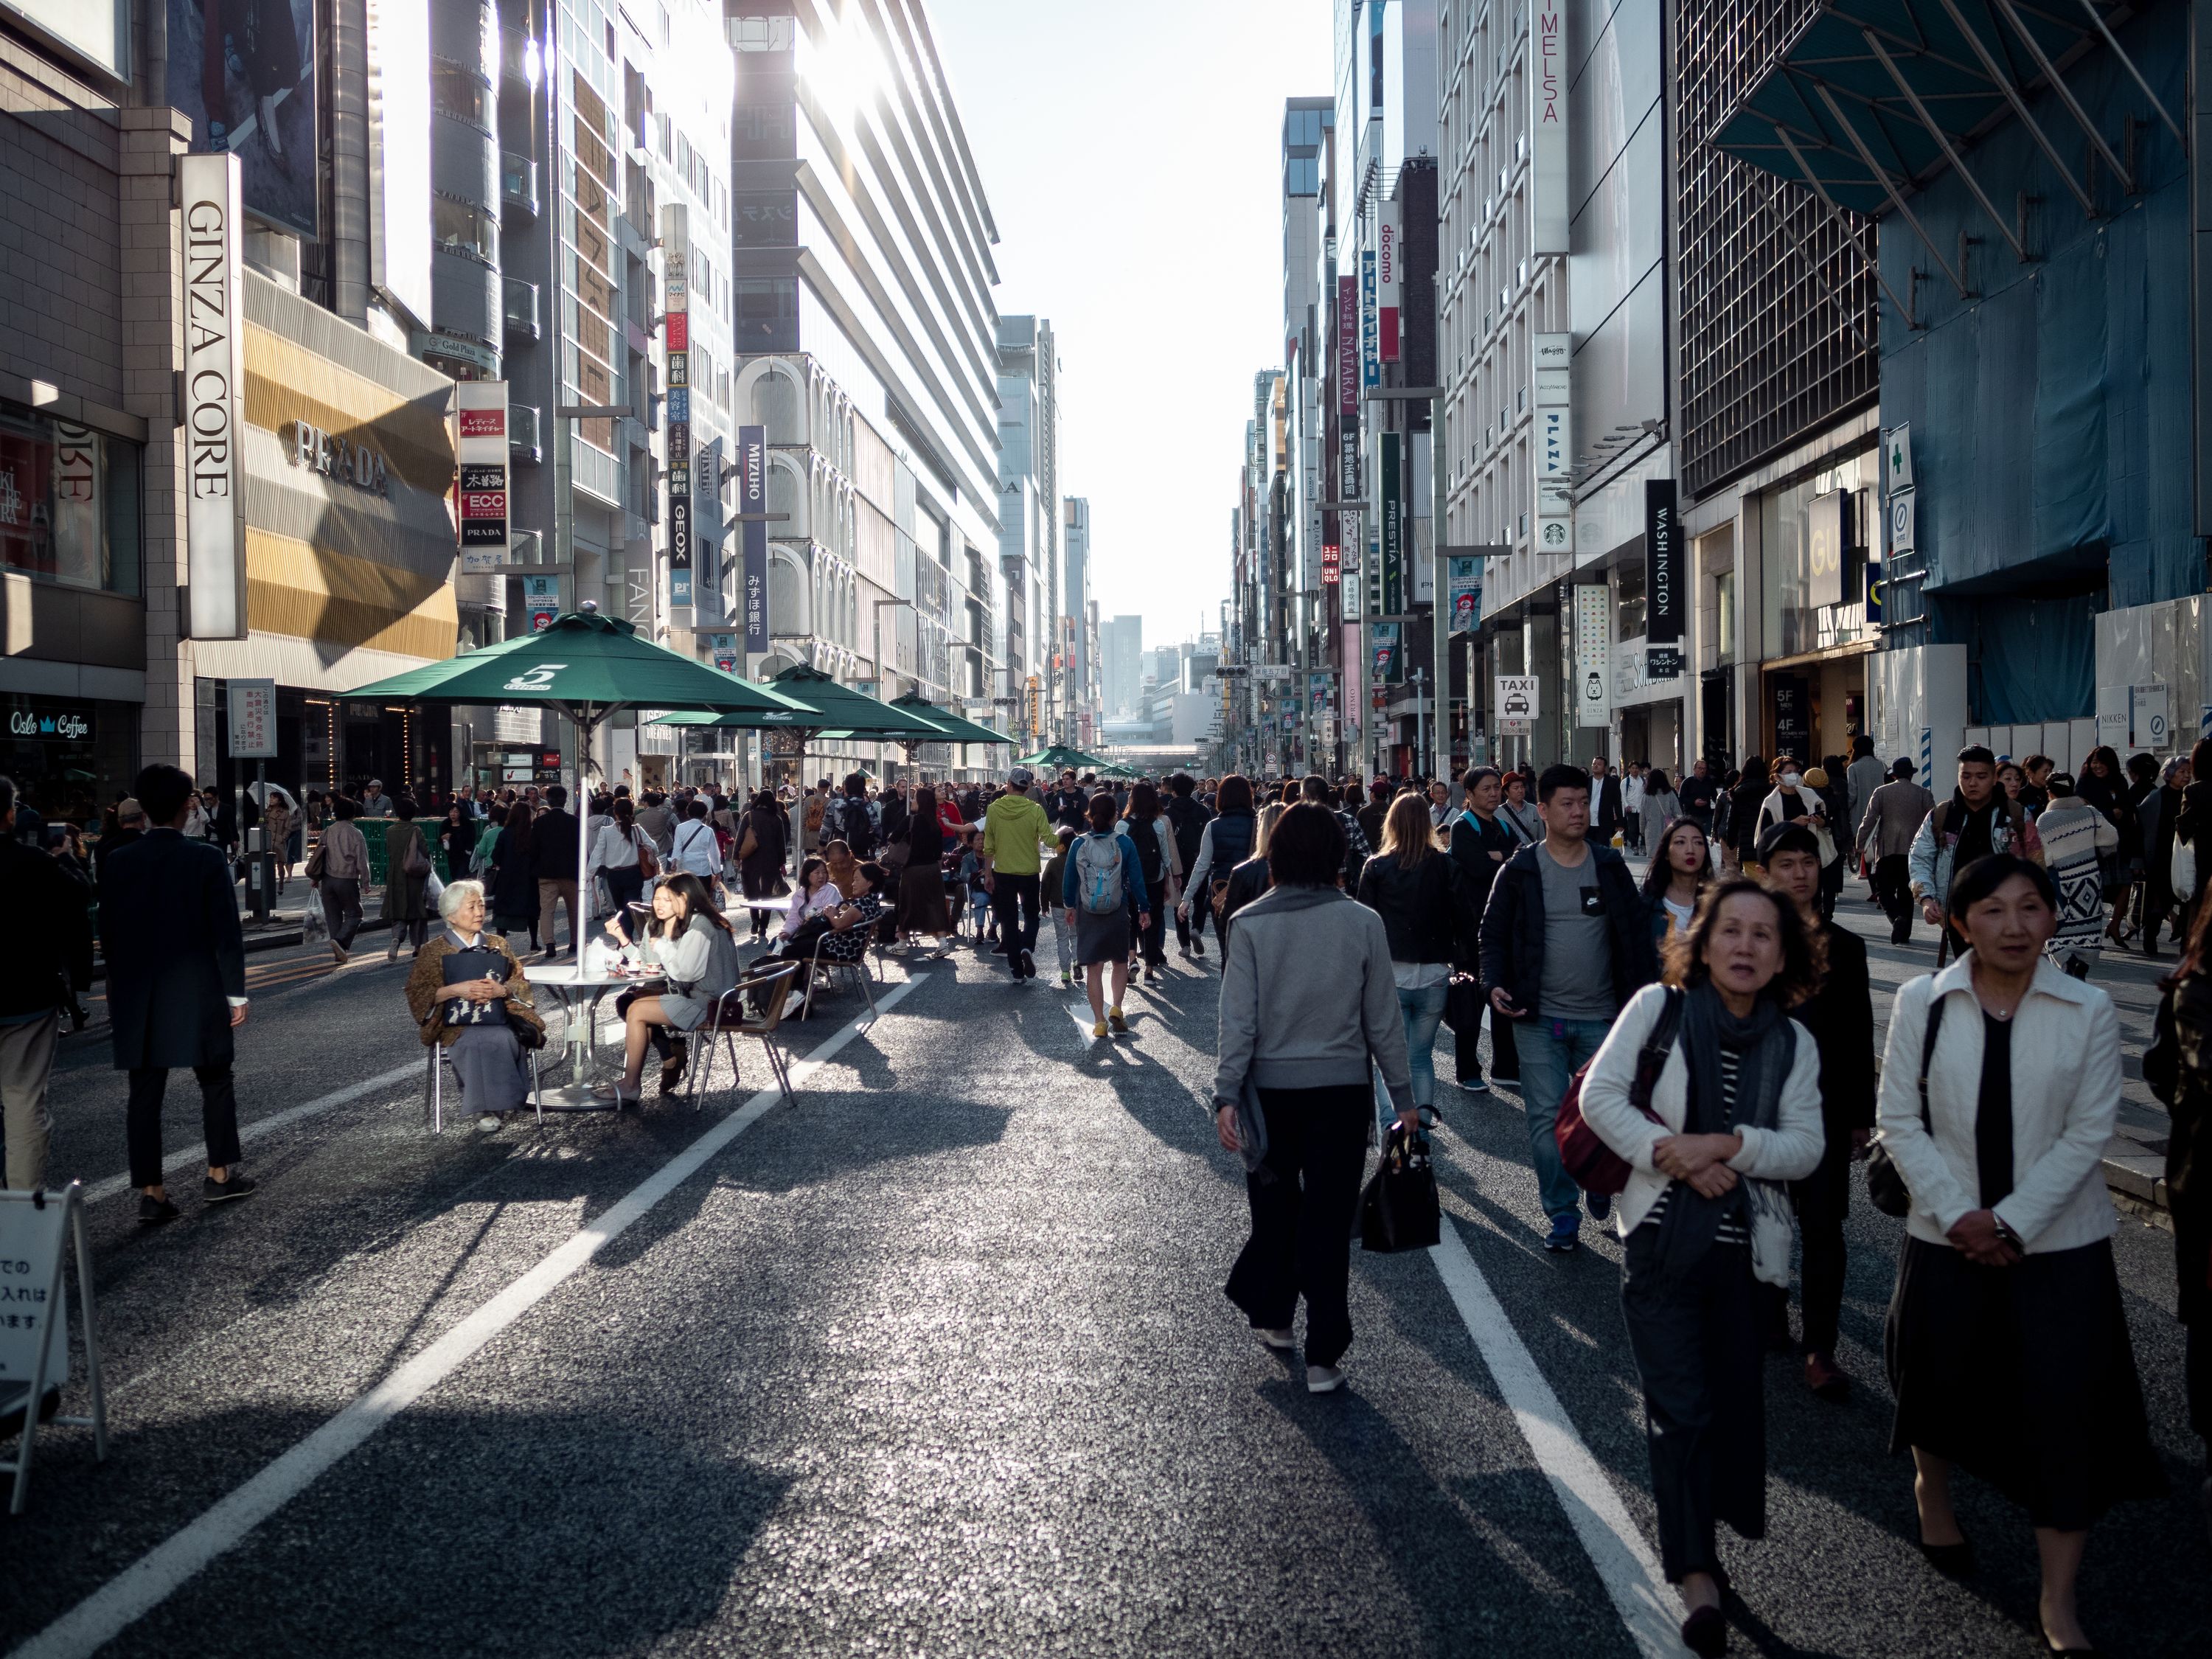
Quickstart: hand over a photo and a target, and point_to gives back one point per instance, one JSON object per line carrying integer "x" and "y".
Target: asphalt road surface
{"x": 935, "y": 1362}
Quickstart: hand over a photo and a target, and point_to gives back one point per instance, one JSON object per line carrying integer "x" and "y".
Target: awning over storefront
{"x": 1870, "y": 99}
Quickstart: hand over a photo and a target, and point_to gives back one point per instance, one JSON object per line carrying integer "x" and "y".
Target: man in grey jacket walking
{"x": 1303, "y": 1042}
{"x": 1894, "y": 813}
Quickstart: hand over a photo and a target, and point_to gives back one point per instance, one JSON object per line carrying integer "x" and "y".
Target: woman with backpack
{"x": 1711, "y": 1093}
{"x": 1413, "y": 886}
{"x": 1225, "y": 843}
{"x": 1145, "y": 824}
{"x": 1103, "y": 888}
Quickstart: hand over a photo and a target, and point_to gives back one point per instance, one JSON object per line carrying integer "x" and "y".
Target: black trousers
{"x": 1504, "y": 1058}
{"x": 1303, "y": 1200}
{"x": 1014, "y": 912}
{"x": 1695, "y": 1336}
{"x": 1892, "y": 886}
{"x": 1149, "y": 943}
{"x": 341, "y": 896}
{"x": 1823, "y": 1199}
{"x": 143, "y": 1124}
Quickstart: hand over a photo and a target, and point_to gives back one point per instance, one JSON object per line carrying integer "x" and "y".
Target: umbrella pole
{"x": 583, "y": 905}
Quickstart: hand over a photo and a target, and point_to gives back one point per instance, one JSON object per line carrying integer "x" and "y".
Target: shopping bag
{"x": 1399, "y": 1209}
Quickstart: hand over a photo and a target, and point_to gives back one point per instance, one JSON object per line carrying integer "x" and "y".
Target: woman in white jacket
{"x": 1734, "y": 1111}
{"x": 2006, "y": 1343}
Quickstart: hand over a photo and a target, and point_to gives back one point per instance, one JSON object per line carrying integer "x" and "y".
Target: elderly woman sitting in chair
{"x": 468, "y": 996}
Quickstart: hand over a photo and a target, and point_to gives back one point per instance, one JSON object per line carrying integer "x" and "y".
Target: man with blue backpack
{"x": 1102, "y": 887}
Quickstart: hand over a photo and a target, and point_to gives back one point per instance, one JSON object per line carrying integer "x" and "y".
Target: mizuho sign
{"x": 214, "y": 397}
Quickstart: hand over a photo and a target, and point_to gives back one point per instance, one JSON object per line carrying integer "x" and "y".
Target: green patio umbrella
{"x": 1063, "y": 757}
{"x": 824, "y": 709}
{"x": 588, "y": 666}
{"x": 963, "y": 730}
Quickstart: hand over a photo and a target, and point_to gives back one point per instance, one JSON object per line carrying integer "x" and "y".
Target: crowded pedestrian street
{"x": 933, "y": 1360}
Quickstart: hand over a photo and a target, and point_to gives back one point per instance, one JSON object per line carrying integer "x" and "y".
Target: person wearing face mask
{"x": 1792, "y": 800}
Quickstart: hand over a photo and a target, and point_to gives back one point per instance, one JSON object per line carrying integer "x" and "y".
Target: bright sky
{"x": 1132, "y": 157}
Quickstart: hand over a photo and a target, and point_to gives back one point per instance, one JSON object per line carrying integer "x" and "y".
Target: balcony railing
{"x": 518, "y": 182}
{"x": 519, "y": 305}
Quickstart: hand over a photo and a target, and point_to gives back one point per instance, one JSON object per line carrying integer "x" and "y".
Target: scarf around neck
{"x": 1765, "y": 1047}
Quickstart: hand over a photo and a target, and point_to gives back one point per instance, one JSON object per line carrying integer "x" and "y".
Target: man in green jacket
{"x": 1014, "y": 831}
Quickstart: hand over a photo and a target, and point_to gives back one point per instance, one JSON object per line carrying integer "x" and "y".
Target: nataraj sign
{"x": 214, "y": 387}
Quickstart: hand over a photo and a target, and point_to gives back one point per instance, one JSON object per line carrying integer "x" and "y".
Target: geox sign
{"x": 213, "y": 399}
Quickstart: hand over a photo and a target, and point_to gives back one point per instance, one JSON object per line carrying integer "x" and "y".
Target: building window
{"x": 69, "y": 504}
{"x": 764, "y": 219}
{"x": 460, "y": 228}
{"x": 767, "y": 313}
{"x": 460, "y": 94}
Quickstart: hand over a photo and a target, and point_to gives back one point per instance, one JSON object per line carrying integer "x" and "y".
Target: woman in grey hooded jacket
{"x": 1301, "y": 1041}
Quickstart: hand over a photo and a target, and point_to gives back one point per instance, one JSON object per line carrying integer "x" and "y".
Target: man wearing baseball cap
{"x": 1015, "y": 829}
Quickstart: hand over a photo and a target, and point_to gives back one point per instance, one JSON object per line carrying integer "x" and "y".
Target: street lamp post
{"x": 883, "y": 679}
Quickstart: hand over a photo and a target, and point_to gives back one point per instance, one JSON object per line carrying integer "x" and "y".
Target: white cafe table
{"x": 578, "y": 992}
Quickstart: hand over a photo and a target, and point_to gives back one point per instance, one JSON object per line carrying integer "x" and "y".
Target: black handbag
{"x": 1399, "y": 1209}
{"x": 1463, "y": 1001}
{"x": 1886, "y": 1187}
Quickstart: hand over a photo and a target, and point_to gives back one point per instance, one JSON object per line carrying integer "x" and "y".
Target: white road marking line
{"x": 196, "y": 1153}
{"x": 157, "y": 1575}
{"x": 1631, "y": 1573}
{"x": 195, "y": 1156}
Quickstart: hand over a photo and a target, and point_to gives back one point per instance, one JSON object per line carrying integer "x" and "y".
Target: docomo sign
{"x": 213, "y": 398}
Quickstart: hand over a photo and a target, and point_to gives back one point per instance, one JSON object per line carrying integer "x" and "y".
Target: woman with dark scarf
{"x": 1704, "y": 1216}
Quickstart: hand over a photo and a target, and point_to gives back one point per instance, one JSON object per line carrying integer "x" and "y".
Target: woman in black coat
{"x": 760, "y": 871}
{"x": 2177, "y": 1066}
{"x": 512, "y": 879}
{"x": 1413, "y": 886}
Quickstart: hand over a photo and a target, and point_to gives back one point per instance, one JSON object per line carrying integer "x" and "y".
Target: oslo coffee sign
{"x": 213, "y": 398}
{"x": 50, "y": 724}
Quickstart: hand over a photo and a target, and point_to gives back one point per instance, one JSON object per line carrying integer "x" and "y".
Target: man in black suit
{"x": 1607, "y": 816}
{"x": 553, "y": 855}
{"x": 1481, "y": 845}
{"x": 176, "y": 987}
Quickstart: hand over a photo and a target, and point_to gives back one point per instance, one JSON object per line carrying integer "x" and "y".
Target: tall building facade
{"x": 1078, "y": 622}
{"x": 1029, "y": 520}
{"x": 1120, "y": 673}
{"x": 868, "y": 349}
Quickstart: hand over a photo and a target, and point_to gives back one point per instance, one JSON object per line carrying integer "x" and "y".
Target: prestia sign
{"x": 214, "y": 388}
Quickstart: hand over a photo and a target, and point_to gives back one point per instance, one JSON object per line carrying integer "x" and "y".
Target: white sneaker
{"x": 1324, "y": 1379}
{"x": 488, "y": 1120}
{"x": 1275, "y": 1338}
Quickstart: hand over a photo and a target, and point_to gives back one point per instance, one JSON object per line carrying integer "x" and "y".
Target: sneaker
{"x": 1599, "y": 1205}
{"x": 153, "y": 1212}
{"x": 1565, "y": 1234}
{"x": 1029, "y": 964}
{"x": 943, "y": 949}
{"x": 1324, "y": 1379}
{"x": 1066, "y": 980}
{"x": 1197, "y": 947}
{"x": 1474, "y": 1085}
{"x": 1121, "y": 1025}
{"x": 1098, "y": 1030}
{"x": 1277, "y": 1339}
{"x": 214, "y": 1192}
{"x": 1825, "y": 1381}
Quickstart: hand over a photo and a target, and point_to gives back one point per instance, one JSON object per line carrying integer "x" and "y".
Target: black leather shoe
{"x": 215, "y": 1191}
{"x": 1952, "y": 1560}
{"x": 153, "y": 1212}
{"x": 1706, "y": 1632}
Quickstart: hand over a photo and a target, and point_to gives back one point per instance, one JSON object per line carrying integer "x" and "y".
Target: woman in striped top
{"x": 1733, "y": 1112}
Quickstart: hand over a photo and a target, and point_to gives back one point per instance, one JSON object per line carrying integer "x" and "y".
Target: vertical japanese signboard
{"x": 541, "y": 601}
{"x": 1370, "y": 342}
{"x": 752, "y": 502}
{"x": 1548, "y": 124}
{"x": 1390, "y": 491}
{"x": 1464, "y": 572}
{"x": 481, "y": 495}
{"x": 1593, "y": 689}
{"x": 723, "y": 648}
{"x": 676, "y": 241}
{"x": 1555, "y": 529}
{"x": 213, "y": 398}
{"x": 1347, "y": 345}
{"x": 251, "y": 706}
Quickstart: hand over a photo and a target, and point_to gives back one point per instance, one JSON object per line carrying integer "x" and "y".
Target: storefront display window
{"x": 1812, "y": 555}
{"x": 69, "y": 758}
{"x": 69, "y": 504}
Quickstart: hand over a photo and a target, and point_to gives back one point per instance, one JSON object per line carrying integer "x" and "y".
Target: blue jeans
{"x": 1422, "y": 1011}
{"x": 1551, "y": 1050}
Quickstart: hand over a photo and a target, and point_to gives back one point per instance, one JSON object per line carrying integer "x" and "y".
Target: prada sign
{"x": 334, "y": 456}
{"x": 213, "y": 396}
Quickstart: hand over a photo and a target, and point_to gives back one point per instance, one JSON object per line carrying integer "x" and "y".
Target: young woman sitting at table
{"x": 691, "y": 943}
